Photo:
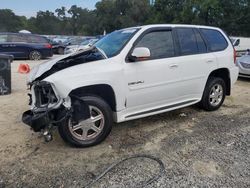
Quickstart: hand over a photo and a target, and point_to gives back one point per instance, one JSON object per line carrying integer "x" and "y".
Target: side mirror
{"x": 237, "y": 42}
{"x": 140, "y": 54}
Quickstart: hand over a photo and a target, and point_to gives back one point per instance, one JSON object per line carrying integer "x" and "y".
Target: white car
{"x": 83, "y": 46}
{"x": 244, "y": 66}
{"x": 130, "y": 74}
{"x": 241, "y": 44}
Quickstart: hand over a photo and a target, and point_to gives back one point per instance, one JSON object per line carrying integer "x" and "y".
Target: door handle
{"x": 210, "y": 61}
{"x": 173, "y": 66}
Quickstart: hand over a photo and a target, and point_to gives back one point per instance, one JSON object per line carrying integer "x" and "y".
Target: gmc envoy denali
{"x": 129, "y": 74}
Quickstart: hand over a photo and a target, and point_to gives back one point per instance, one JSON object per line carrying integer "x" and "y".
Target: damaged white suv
{"x": 129, "y": 74}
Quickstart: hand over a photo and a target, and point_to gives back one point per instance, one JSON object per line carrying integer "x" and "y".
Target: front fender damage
{"x": 46, "y": 120}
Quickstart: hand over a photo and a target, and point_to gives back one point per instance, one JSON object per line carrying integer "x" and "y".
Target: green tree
{"x": 47, "y": 22}
{"x": 10, "y": 22}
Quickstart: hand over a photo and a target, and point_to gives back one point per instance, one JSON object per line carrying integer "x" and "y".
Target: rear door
{"x": 219, "y": 47}
{"x": 195, "y": 62}
{"x": 17, "y": 45}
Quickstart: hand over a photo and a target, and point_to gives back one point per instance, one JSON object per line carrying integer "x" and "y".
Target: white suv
{"x": 129, "y": 74}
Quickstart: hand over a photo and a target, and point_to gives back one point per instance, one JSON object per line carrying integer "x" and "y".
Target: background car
{"x": 84, "y": 45}
{"x": 244, "y": 66}
{"x": 241, "y": 44}
{"x": 25, "y": 46}
{"x": 57, "y": 47}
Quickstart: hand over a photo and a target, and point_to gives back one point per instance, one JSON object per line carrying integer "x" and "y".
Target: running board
{"x": 161, "y": 109}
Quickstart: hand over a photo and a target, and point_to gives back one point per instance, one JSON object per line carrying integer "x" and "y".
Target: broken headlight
{"x": 44, "y": 94}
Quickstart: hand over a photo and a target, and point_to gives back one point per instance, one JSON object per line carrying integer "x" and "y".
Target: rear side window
{"x": 187, "y": 40}
{"x": 16, "y": 38}
{"x": 3, "y": 38}
{"x": 200, "y": 42}
{"x": 216, "y": 40}
{"x": 36, "y": 39}
{"x": 160, "y": 44}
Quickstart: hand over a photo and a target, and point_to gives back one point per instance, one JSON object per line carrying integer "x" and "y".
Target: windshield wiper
{"x": 101, "y": 51}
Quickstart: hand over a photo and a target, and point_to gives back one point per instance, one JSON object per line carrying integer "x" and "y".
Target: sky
{"x": 29, "y": 8}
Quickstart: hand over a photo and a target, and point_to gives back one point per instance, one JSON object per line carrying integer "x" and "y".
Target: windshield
{"x": 113, "y": 43}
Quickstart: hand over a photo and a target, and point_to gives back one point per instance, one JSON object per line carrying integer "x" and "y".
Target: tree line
{"x": 231, "y": 15}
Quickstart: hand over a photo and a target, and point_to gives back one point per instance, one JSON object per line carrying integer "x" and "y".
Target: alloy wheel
{"x": 216, "y": 95}
{"x": 90, "y": 128}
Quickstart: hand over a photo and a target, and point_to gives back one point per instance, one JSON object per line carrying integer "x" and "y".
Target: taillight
{"x": 235, "y": 56}
{"x": 48, "y": 46}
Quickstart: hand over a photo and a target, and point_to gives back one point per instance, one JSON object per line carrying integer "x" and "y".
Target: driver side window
{"x": 160, "y": 44}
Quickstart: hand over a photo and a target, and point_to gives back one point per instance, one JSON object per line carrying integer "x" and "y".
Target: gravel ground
{"x": 198, "y": 149}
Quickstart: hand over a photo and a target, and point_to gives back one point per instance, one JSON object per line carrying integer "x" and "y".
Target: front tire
{"x": 214, "y": 94}
{"x": 91, "y": 131}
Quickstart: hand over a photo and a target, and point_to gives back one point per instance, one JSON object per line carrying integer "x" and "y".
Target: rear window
{"x": 216, "y": 40}
{"x": 3, "y": 38}
{"x": 37, "y": 39}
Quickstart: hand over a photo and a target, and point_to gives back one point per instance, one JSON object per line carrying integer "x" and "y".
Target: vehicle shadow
{"x": 243, "y": 79}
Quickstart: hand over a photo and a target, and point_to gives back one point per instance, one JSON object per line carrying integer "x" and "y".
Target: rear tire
{"x": 214, "y": 94}
{"x": 35, "y": 55}
{"x": 60, "y": 51}
{"x": 89, "y": 132}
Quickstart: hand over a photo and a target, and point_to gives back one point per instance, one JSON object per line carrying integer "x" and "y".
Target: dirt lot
{"x": 198, "y": 149}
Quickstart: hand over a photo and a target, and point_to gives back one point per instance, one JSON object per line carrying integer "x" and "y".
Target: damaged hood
{"x": 43, "y": 67}
{"x": 48, "y": 68}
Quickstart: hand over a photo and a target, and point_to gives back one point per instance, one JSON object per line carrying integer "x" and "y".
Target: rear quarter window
{"x": 216, "y": 40}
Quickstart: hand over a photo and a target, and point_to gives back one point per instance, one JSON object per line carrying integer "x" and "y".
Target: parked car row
{"x": 60, "y": 44}
{"x": 36, "y": 47}
{"x": 82, "y": 46}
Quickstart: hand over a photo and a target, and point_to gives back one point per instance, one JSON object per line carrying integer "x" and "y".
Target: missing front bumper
{"x": 36, "y": 121}
{"x": 41, "y": 120}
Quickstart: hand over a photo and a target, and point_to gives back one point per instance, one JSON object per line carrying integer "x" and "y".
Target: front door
{"x": 155, "y": 82}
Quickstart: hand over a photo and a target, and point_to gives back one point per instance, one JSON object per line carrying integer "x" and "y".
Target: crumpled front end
{"x": 46, "y": 107}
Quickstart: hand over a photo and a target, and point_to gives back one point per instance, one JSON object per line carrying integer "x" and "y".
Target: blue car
{"x": 25, "y": 46}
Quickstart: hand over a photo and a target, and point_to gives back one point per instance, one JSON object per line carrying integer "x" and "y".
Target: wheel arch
{"x": 224, "y": 74}
{"x": 104, "y": 91}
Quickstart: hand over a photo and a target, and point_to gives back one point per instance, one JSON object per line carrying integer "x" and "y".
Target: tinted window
{"x": 200, "y": 42}
{"x": 16, "y": 38}
{"x": 215, "y": 39}
{"x": 3, "y": 38}
{"x": 160, "y": 44}
{"x": 36, "y": 39}
{"x": 187, "y": 40}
